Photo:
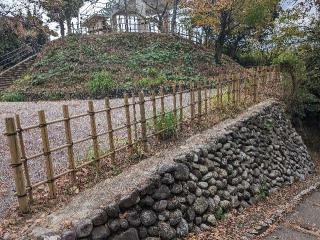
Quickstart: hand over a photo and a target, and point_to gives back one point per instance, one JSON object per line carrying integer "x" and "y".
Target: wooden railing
{"x": 144, "y": 121}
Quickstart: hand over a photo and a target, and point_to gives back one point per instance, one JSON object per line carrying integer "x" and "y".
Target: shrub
{"x": 166, "y": 126}
{"x": 149, "y": 82}
{"x": 101, "y": 82}
{"x": 12, "y": 97}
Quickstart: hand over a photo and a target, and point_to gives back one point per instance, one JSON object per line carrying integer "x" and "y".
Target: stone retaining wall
{"x": 254, "y": 157}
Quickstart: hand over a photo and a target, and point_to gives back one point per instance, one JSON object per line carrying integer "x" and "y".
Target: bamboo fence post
{"x": 221, "y": 92}
{"x": 110, "y": 130}
{"x": 245, "y": 89}
{"x": 47, "y": 153}
{"x": 218, "y": 91}
{"x": 192, "y": 104}
{"x": 162, "y": 104}
{"x": 181, "y": 102}
{"x": 24, "y": 158}
{"x": 94, "y": 137}
{"x": 233, "y": 89}
{"x": 239, "y": 88}
{"x": 15, "y": 163}
{"x": 154, "y": 112}
{"x": 255, "y": 87}
{"x": 206, "y": 100}
{"x": 143, "y": 121}
{"x": 128, "y": 122}
{"x": 134, "y": 118}
{"x": 229, "y": 82}
{"x": 174, "y": 93}
{"x": 68, "y": 134}
{"x": 199, "y": 101}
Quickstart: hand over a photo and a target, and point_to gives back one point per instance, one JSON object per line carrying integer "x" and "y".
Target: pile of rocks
{"x": 253, "y": 159}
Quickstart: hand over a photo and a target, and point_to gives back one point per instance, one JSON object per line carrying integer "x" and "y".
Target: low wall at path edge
{"x": 186, "y": 189}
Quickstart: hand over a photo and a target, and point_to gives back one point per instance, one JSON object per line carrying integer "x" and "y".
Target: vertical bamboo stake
{"x": 143, "y": 122}
{"x": 162, "y": 104}
{"x": 245, "y": 87}
{"x": 47, "y": 153}
{"x": 24, "y": 158}
{"x": 154, "y": 112}
{"x": 174, "y": 95}
{"x": 15, "y": 162}
{"x": 192, "y": 104}
{"x": 255, "y": 87}
{"x": 128, "y": 123}
{"x": 94, "y": 137}
{"x": 206, "y": 101}
{"x": 134, "y": 118}
{"x": 199, "y": 101}
{"x": 68, "y": 133}
{"x": 229, "y": 90}
{"x": 218, "y": 91}
{"x": 110, "y": 130}
{"x": 233, "y": 89}
{"x": 221, "y": 93}
{"x": 181, "y": 102}
{"x": 239, "y": 88}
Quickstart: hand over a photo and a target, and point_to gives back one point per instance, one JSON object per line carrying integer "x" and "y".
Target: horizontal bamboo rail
{"x": 188, "y": 103}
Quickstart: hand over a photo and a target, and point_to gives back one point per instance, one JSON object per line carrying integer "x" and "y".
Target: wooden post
{"x": 68, "y": 133}
{"x": 181, "y": 102}
{"x": 15, "y": 162}
{"x": 24, "y": 158}
{"x": 110, "y": 130}
{"x": 162, "y": 104}
{"x": 128, "y": 122}
{"x": 192, "y": 103}
{"x": 239, "y": 88}
{"x": 134, "y": 118}
{"x": 206, "y": 101}
{"x": 143, "y": 122}
{"x": 95, "y": 142}
{"x": 174, "y": 95}
{"x": 255, "y": 87}
{"x": 218, "y": 91}
{"x": 221, "y": 93}
{"x": 199, "y": 101}
{"x": 229, "y": 82}
{"x": 47, "y": 153}
{"x": 233, "y": 89}
{"x": 154, "y": 112}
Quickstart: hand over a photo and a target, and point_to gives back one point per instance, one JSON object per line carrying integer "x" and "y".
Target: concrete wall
{"x": 237, "y": 163}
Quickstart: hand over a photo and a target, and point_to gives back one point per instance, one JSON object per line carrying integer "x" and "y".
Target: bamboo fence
{"x": 192, "y": 103}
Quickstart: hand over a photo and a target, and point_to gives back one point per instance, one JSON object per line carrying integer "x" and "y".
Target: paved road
{"x": 303, "y": 223}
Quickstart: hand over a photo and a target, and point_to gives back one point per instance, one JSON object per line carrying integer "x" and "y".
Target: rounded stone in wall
{"x": 148, "y": 218}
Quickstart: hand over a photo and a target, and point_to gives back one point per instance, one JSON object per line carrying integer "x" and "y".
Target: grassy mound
{"x": 96, "y": 66}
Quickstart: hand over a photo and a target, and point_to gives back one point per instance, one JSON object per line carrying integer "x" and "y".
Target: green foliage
{"x": 253, "y": 58}
{"x": 166, "y": 125}
{"x": 101, "y": 82}
{"x": 263, "y": 192}
{"x": 220, "y": 213}
{"x": 12, "y": 97}
{"x": 269, "y": 124}
{"x": 71, "y": 64}
{"x": 150, "y": 82}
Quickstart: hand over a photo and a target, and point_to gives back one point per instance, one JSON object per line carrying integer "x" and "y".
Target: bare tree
{"x": 158, "y": 12}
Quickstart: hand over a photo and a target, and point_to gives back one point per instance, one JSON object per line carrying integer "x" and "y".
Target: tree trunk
{"x": 126, "y": 15}
{"x": 69, "y": 25}
{"x": 218, "y": 49}
{"x": 174, "y": 16}
{"x": 62, "y": 29}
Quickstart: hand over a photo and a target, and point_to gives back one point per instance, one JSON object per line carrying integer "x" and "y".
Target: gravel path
{"x": 80, "y": 129}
